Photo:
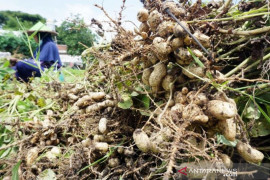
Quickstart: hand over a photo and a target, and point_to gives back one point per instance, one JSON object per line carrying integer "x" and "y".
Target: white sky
{"x": 59, "y": 10}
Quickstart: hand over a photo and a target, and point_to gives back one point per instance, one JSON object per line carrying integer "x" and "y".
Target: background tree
{"x": 16, "y": 45}
{"x": 13, "y": 43}
{"x": 74, "y": 31}
{"x": 3, "y": 19}
{"x": 8, "y": 19}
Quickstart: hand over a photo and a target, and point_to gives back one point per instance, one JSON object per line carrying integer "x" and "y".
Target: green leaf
{"x": 119, "y": 85}
{"x": 21, "y": 106}
{"x": 134, "y": 94}
{"x": 209, "y": 75}
{"x": 159, "y": 103}
{"x": 5, "y": 152}
{"x": 15, "y": 171}
{"x": 47, "y": 174}
{"x": 25, "y": 106}
{"x": 261, "y": 110}
{"x": 128, "y": 83}
{"x": 17, "y": 92}
{"x": 3, "y": 71}
{"x": 6, "y": 64}
{"x": 252, "y": 112}
{"x": 145, "y": 113}
{"x": 197, "y": 60}
{"x": 145, "y": 100}
{"x": 260, "y": 128}
{"x": 31, "y": 97}
{"x": 265, "y": 97}
{"x": 139, "y": 88}
{"x": 41, "y": 102}
{"x": 221, "y": 139}
{"x": 263, "y": 113}
{"x": 126, "y": 102}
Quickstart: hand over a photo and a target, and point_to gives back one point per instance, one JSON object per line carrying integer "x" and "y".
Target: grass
{"x": 73, "y": 75}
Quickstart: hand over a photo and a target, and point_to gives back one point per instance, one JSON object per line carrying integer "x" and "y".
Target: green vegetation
{"x": 74, "y": 33}
{"x": 15, "y": 44}
{"x": 8, "y": 19}
{"x": 72, "y": 75}
{"x": 145, "y": 108}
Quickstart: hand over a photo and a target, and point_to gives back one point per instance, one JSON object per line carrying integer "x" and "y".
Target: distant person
{"x": 47, "y": 54}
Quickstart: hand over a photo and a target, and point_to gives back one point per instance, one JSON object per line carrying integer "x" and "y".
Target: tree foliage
{"x": 15, "y": 44}
{"x": 74, "y": 31}
{"x": 8, "y": 19}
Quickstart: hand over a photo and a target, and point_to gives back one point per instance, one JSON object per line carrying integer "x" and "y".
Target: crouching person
{"x": 46, "y": 55}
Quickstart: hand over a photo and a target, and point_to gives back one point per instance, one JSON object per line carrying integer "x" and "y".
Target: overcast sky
{"x": 59, "y": 10}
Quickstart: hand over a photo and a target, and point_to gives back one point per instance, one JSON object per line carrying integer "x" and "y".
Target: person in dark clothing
{"x": 46, "y": 55}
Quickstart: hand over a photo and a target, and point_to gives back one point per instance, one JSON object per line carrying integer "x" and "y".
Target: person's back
{"x": 49, "y": 53}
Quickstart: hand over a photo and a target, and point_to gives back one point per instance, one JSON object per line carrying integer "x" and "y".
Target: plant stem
{"x": 224, "y": 9}
{"x": 261, "y": 9}
{"x": 267, "y": 148}
{"x": 243, "y": 39}
{"x": 246, "y": 33}
{"x": 260, "y": 86}
{"x": 255, "y": 64}
{"x": 237, "y": 48}
{"x": 241, "y": 65}
{"x": 237, "y": 68}
{"x": 239, "y": 18}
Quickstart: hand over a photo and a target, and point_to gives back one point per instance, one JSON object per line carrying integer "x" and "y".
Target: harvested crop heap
{"x": 188, "y": 89}
{"x": 153, "y": 99}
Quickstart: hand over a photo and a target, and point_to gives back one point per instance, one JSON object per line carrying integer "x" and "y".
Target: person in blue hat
{"x": 47, "y": 54}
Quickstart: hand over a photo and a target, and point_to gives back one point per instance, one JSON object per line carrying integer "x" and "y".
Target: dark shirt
{"x": 49, "y": 53}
